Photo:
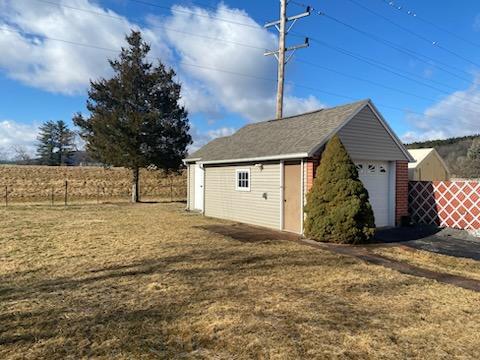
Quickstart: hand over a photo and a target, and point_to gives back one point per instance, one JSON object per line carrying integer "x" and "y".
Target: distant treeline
{"x": 460, "y": 154}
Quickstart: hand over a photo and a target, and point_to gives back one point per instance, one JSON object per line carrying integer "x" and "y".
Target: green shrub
{"x": 337, "y": 207}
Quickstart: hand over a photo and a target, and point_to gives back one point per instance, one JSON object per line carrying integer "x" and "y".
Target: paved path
{"x": 362, "y": 253}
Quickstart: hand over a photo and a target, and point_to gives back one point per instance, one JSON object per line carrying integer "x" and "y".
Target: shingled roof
{"x": 299, "y": 134}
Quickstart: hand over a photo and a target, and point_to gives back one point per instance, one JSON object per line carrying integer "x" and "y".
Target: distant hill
{"x": 454, "y": 151}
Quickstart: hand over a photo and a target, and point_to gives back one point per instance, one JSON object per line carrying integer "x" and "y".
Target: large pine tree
{"x": 135, "y": 117}
{"x": 337, "y": 206}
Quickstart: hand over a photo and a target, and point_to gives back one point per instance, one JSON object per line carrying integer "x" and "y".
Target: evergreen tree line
{"x": 56, "y": 143}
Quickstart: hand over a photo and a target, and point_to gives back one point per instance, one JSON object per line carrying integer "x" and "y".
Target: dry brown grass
{"x": 432, "y": 261}
{"x": 145, "y": 281}
{"x": 27, "y": 183}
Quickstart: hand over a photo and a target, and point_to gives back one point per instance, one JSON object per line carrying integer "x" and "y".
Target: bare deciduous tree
{"x": 20, "y": 153}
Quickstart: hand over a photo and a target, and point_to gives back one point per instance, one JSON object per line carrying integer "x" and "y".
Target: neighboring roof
{"x": 294, "y": 136}
{"x": 421, "y": 154}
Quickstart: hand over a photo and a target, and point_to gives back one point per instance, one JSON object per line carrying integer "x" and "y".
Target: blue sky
{"x": 226, "y": 82}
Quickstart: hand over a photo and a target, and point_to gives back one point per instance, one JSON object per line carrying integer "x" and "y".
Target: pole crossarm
{"x": 290, "y": 48}
{"x": 290, "y": 18}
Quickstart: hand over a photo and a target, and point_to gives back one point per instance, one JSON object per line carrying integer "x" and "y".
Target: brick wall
{"x": 401, "y": 190}
{"x": 310, "y": 174}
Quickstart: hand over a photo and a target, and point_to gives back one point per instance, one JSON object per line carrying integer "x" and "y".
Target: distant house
{"x": 261, "y": 174}
{"x": 429, "y": 166}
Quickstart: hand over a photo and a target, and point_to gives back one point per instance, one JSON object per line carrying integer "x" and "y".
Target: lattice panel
{"x": 453, "y": 204}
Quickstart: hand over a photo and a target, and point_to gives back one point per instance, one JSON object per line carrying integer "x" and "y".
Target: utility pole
{"x": 281, "y": 26}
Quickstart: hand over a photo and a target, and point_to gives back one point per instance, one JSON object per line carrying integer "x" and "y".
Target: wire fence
{"x": 74, "y": 192}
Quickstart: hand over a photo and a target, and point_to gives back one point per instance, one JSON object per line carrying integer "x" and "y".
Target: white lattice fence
{"x": 453, "y": 204}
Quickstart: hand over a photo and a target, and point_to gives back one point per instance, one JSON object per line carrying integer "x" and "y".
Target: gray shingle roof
{"x": 291, "y": 135}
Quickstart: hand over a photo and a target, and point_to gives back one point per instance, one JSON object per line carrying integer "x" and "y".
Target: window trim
{"x": 237, "y": 172}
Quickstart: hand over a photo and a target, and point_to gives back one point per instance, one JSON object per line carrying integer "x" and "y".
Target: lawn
{"x": 431, "y": 261}
{"x": 148, "y": 281}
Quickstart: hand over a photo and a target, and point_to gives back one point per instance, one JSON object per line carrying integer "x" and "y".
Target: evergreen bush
{"x": 337, "y": 206}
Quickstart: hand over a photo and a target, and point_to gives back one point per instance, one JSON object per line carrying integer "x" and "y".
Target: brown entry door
{"x": 291, "y": 195}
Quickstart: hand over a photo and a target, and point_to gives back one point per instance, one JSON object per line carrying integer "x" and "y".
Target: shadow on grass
{"x": 249, "y": 234}
{"x": 110, "y": 305}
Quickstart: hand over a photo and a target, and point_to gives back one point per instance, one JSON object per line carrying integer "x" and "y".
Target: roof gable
{"x": 366, "y": 137}
{"x": 421, "y": 154}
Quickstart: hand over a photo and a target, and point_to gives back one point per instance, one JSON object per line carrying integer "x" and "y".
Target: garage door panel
{"x": 375, "y": 178}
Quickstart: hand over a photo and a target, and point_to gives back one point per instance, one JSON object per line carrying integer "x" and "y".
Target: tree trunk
{"x": 135, "y": 185}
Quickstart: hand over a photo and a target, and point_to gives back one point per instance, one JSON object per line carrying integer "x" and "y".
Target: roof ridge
{"x": 314, "y": 111}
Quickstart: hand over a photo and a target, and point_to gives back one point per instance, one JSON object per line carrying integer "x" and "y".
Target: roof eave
{"x": 259, "y": 158}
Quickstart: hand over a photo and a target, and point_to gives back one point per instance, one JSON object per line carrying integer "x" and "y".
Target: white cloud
{"x": 58, "y": 66}
{"x": 16, "y": 134}
{"x": 66, "y": 68}
{"x": 455, "y": 115}
{"x": 201, "y": 138}
{"x": 249, "y": 96}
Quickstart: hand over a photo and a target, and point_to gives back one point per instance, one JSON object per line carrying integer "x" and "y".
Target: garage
{"x": 262, "y": 173}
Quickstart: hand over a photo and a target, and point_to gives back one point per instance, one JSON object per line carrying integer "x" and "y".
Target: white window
{"x": 382, "y": 169}
{"x": 242, "y": 180}
{"x": 371, "y": 168}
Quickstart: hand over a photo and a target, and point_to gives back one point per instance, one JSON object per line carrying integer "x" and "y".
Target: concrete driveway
{"x": 446, "y": 242}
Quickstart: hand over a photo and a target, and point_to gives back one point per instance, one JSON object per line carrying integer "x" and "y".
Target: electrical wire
{"x": 227, "y": 71}
{"x": 401, "y": 49}
{"x": 411, "y": 32}
{"x": 415, "y": 15}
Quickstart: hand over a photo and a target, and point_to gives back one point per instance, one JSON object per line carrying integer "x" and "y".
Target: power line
{"x": 415, "y": 15}
{"x": 313, "y": 89}
{"x": 359, "y": 57}
{"x": 388, "y": 68}
{"x": 391, "y": 88}
{"x": 146, "y": 3}
{"x": 179, "y": 11}
{"x": 384, "y": 66}
{"x": 401, "y": 49}
{"x": 411, "y": 32}
{"x": 370, "y": 61}
{"x": 120, "y": 18}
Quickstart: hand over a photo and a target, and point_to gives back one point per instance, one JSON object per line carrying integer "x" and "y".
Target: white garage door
{"x": 375, "y": 177}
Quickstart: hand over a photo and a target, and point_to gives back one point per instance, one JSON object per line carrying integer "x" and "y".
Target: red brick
{"x": 401, "y": 190}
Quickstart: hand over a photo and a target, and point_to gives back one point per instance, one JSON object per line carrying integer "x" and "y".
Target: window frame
{"x": 248, "y": 180}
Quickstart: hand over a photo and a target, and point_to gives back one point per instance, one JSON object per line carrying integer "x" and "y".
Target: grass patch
{"x": 436, "y": 262}
{"x": 147, "y": 281}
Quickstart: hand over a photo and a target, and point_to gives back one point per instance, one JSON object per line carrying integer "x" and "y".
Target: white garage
{"x": 262, "y": 173}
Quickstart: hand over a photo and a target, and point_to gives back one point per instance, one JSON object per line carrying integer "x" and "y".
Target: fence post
{"x": 6, "y": 195}
{"x": 52, "y": 196}
{"x": 171, "y": 190}
{"x": 66, "y": 192}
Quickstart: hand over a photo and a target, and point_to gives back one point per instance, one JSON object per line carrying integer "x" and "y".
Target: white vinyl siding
{"x": 191, "y": 186}
{"x": 365, "y": 137}
{"x": 222, "y": 200}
